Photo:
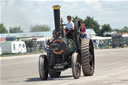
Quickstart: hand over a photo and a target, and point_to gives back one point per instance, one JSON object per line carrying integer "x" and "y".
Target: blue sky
{"x": 26, "y": 13}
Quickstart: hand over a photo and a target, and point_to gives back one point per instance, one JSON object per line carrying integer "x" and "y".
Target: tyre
{"x": 87, "y": 57}
{"x": 76, "y": 66}
{"x": 54, "y": 74}
{"x": 43, "y": 67}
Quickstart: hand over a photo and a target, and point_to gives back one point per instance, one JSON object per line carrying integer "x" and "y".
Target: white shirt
{"x": 69, "y": 25}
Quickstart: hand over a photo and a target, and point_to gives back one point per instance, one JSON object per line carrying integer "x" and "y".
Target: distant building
{"x": 26, "y": 35}
{"x": 90, "y": 33}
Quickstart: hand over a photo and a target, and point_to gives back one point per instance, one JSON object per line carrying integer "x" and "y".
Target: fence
{"x": 36, "y": 49}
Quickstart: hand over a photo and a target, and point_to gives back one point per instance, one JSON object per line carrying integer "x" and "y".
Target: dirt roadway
{"x": 111, "y": 69}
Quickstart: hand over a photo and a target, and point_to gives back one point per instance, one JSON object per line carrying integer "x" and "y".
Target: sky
{"x": 27, "y": 13}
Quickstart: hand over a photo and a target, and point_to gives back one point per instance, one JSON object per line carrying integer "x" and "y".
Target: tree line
{"x": 89, "y": 22}
{"x": 17, "y": 29}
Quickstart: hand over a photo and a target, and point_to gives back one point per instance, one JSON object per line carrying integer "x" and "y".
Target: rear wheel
{"x": 76, "y": 66}
{"x": 87, "y": 57}
{"x": 54, "y": 74}
{"x": 43, "y": 67}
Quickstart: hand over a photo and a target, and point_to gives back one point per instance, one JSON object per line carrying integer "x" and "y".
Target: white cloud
{"x": 91, "y": 1}
{"x": 25, "y": 13}
{"x": 11, "y": 2}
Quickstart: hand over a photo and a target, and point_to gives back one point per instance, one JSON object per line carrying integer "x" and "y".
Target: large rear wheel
{"x": 87, "y": 57}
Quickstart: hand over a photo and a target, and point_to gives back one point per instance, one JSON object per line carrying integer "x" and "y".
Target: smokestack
{"x": 56, "y": 9}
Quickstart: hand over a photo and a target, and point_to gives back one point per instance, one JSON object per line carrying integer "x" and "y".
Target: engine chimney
{"x": 56, "y": 9}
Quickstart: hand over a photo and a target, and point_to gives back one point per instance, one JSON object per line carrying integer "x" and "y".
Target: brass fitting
{"x": 56, "y": 7}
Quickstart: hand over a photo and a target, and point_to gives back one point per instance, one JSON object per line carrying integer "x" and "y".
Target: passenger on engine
{"x": 69, "y": 28}
{"x": 83, "y": 29}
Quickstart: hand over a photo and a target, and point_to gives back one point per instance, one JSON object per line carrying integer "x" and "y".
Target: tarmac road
{"x": 111, "y": 69}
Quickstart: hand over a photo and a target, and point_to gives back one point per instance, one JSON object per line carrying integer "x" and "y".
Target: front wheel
{"x": 43, "y": 67}
{"x": 76, "y": 66}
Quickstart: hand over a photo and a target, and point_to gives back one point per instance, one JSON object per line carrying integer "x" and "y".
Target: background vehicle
{"x": 119, "y": 40}
{"x": 42, "y": 42}
{"x": 13, "y": 47}
{"x": 63, "y": 53}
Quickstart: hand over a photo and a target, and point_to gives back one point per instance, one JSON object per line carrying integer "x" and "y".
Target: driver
{"x": 69, "y": 28}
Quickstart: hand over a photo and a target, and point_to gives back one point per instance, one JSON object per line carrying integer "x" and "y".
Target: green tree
{"x": 40, "y": 28}
{"x": 125, "y": 29}
{"x": 91, "y": 23}
{"x": 117, "y": 30}
{"x": 15, "y": 30}
{"x": 3, "y": 29}
{"x": 106, "y": 28}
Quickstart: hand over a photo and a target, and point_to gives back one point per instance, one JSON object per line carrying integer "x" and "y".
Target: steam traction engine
{"x": 63, "y": 53}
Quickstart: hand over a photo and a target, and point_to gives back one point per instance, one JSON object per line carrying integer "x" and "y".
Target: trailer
{"x": 42, "y": 41}
{"x": 13, "y": 47}
{"x": 119, "y": 40}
